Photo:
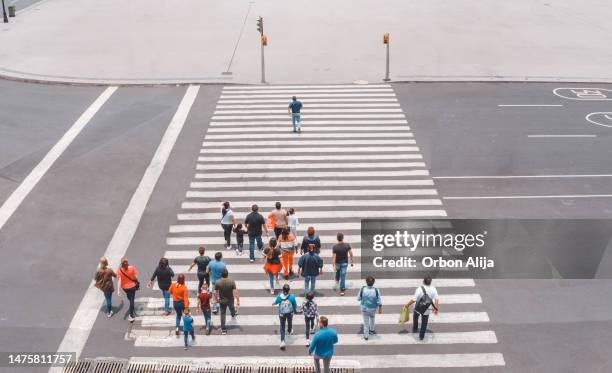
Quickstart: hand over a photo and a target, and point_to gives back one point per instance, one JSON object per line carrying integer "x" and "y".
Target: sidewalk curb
{"x": 75, "y": 81}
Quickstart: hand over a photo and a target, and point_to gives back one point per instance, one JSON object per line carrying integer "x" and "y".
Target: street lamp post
{"x": 4, "y": 12}
{"x": 386, "y": 40}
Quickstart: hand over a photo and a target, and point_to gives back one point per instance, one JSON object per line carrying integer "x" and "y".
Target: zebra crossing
{"x": 355, "y": 158}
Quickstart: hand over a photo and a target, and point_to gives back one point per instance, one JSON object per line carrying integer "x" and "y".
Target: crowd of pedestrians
{"x": 217, "y": 291}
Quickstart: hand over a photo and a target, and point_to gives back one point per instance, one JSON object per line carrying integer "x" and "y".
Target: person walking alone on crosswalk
{"x": 104, "y": 282}
{"x": 425, "y": 300}
{"x": 369, "y": 300}
{"x": 278, "y": 217}
{"x": 287, "y": 306}
{"x": 164, "y": 275}
{"x": 311, "y": 312}
{"x": 228, "y": 221}
{"x": 288, "y": 247}
{"x": 127, "y": 276}
{"x": 310, "y": 266}
{"x": 295, "y": 110}
{"x": 341, "y": 255}
{"x": 310, "y": 238}
{"x": 180, "y": 299}
{"x": 322, "y": 345}
{"x": 273, "y": 264}
{"x": 202, "y": 261}
{"x": 255, "y": 224}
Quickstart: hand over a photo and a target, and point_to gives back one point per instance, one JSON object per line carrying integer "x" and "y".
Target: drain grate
{"x": 175, "y": 368}
{"x": 109, "y": 366}
{"x": 78, "y": 366}
{"x": 141, "y": 368}
{"x": 237, "y": 369}
{"x": 272, "y": 369}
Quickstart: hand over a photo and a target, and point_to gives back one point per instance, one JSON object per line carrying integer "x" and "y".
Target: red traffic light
{"x": 386, "y": 38}
{"x": 264, "y": 40}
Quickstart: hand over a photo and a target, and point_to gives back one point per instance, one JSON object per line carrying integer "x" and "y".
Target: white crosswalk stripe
{"x": 356, "y": 158}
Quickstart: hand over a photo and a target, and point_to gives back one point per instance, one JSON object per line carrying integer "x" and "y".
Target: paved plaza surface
{"x": 310, "y": 41}
{"x": 400, "y": 150}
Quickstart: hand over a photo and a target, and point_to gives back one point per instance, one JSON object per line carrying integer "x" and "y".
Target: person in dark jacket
{"x": 164, "y": 275}
{"x": 310, "y": 238}
{"x": 104, "y": 282}
{"x": 310, "y": 266}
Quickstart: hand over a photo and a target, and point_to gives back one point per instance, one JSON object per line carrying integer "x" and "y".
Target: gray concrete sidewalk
{"x": 323, "y": 41}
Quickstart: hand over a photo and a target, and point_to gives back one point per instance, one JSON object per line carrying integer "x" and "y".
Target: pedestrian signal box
{"x": 386, "y": 38}
{"x": 264, "y": 40}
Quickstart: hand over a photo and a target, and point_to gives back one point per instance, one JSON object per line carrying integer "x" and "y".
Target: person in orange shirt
{"x": 180, "y": 299}
{"x": 127, "y": 277}
{"x": 288, "y": 247}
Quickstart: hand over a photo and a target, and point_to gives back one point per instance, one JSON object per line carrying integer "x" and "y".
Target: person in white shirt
{"x": 425, "y": 301}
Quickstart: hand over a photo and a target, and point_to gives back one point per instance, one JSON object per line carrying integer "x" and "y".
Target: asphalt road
{"x": 459, "y": 127}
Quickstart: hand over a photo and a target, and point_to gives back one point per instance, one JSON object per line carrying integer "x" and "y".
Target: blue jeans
{"x": 179, "y": 306}
{"x": 131, "y": 296}
{"x": 239, "y": 247}
{"x": 309, "y": 284}
{"x": 166, "y": 295}
{"x": 288, "y": 320}
{"x": 252, "y": 239}
{"x": 207, "y": 319}
{"x": 272, "y": 277}
{"x": 296, "y": 120}
{"x": 341, "y": 274}
{"x": 186, "y": 336}
{"x": 108, "y": 300}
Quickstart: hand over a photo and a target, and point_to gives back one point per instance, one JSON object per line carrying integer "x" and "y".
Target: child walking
{"x": 292, "y": 221}
{"x": 240, "y": 232}
{"x": 188, "y": 328}
{"x": 311, "y": 312}
{"x": 204, "y": 303}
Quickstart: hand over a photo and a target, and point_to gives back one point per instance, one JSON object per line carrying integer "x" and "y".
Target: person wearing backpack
{"x": 310, "y": 238}
{"x": 425, "y": 300}
{"x": 287, "y": 306}
{"x": 369, "y": 300}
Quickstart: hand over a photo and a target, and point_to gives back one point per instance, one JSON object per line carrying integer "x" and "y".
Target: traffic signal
{"x": 264, "y": 40}
{"x": 386, "y": 38}
{"x": 260, "y": 25}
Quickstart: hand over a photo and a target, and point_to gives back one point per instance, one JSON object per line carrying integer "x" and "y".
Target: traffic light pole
{"x": 386, "y": 79}
{"x": 263, "y": 64}
{"x": 4, "y": 12}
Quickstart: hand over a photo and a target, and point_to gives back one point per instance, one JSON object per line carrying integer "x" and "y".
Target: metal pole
{"x": 386, "y": 79}
{"x": 263, "y": 64}
{"x": 4, "y": 12}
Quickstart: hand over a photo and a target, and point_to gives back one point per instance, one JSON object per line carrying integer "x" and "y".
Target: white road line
{"x": 338, "y": 214}
{"x": 326, "y": 204}
{"x": 376, "y": 362}
{"x": 306, "y": 125}
{"x": 337, "y": 319}
{"x": 532, "y": 197}
{"x": 211, "y": 240}
{"x": 524, "y": 176}
{"x": 250, "y": 268}
{"x": 559, "y": 136}
{"x": 307, "y": 117}
{"x": 319, "y": 111}
{"x": 299, "y": 183}
{"x": 303, "y": 92}
{"x": 309, "y": 157}
{"x": 189, "y": 255}
{"x": 272, "y": 87}
{"x": 309, "y": 129}
{"x": 310, "y": 193}
{"x": 342, "y": 96}
{"x": 286, "y": 150}
{"x": 529, "y": 105}
{"x": 388, "y": 300}
{"x": 306, "y": 101}
{"x": 310, "y": 135}
{"x": 281, "y": 175}
{"x": 298, "y": 142}
{"x": 479, "y": 337}
{"x": 78, "y": 332}
{"x": 294, "y": 166}
{"x": 350, "y": 284}
{"x": 13, "y": 202}
{"x": 273, "y": 106}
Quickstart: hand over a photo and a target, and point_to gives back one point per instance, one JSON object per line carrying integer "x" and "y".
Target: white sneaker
{"x": 110, "y": 314}
{"x": 251, "y": 261}
{"x": 131, "y": 319}
{"x": 283, "y": 345}
{"x": 272, "y": 291}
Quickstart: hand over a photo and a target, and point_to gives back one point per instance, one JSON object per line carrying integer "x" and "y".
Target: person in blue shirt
{"x": 322, "y": 345}
{"x": 369, "y": 300}
{"x": 287, "y": 306}
{"x": 215, "y": 268}
{"x": 188, "y": 328}
{"x": 295, "y": 108}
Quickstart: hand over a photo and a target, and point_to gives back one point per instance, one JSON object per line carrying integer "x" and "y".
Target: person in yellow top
{"x": 287, "y": 244}
{"x": 180, "y": 299}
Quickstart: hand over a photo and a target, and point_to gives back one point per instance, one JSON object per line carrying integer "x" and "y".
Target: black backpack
{"x": 423, "y": 304}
